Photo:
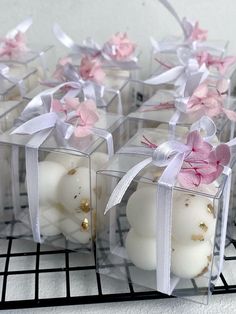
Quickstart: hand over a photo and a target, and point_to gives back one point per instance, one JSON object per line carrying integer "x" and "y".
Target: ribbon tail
{"x": 165, "y": 77}
{"x": 124, "y": 183}
{"x": 164, "y": 223}
{"x": 63, "y": 37}
{"x": 42, "y": 122}
{"x": 169, "y": 7}
{"x": 22, "y": 27}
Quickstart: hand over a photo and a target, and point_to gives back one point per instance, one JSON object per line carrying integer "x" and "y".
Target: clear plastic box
{"x": 135, "y": 243}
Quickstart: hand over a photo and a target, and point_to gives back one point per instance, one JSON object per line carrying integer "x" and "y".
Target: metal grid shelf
{"x": 71, "y": 278}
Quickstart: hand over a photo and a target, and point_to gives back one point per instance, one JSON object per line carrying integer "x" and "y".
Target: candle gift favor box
{"x": 15, "y": 82}
{"x": 161, "y": 224}
{"x": 51, "y": 153}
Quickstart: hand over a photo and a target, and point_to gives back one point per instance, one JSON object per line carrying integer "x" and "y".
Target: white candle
{"x": 74, "y": 189}
{"x": 50, "y": 174}
{"x": 193, "y": 218}
{"x": 141, "y": 250}
{"x": 190, "y": 261}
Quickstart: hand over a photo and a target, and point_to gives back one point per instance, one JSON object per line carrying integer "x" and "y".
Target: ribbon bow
{"x": 180, "y": 74}
{"x": 116, "y": 52}
{"x": 14, "y": 42}
{"x": 193, "y": 163}
{"x": 69, "y": 116}
{"x": 88, "y": 78}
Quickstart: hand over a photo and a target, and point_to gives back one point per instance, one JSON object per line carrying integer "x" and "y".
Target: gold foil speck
{"x": 210, "y": 209}
{"x": 203, "y": 226}
{"x": 71, "y": 172}
{"x": 84, "y": 205}
{"x": 85, "y": 224}
{"x": 209, "y": 258}
{"x": 197, "y": 237}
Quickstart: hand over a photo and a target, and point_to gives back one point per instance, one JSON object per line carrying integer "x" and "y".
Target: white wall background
{"x": 101, "y": 18}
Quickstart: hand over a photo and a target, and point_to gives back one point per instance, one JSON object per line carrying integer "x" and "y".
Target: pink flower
{"x": 88, "y": 116}
{"x": 90, "y": 69}
{"x": 210, "y": 102}
{"x": 13, "y": 47}
{"x": 204, "y": 164}
{"x": 219, "y": 158}
{"x": 200, "y": 149}
{"x": 221, "y": 64}
{"x": 85, "y": 116}
{"x": 119, "y": 47}
{"x": 198, "y": 33}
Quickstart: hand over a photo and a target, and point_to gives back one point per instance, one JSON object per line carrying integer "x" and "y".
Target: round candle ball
{"x": 77, "y": 227}
{"x": 50, "y": 217}
{"x": 190, "y": 261}
{"x": 49, "y": 176}
{"x": 74, "y": 190}
{"x": 141, "y": 211}
{"x": 193, "y": 218}
{"x": 67, "y": 160}
{"x": 141, "y": 250}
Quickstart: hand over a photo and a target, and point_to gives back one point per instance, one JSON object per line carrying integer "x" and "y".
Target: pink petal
{"x": 82, "y": 131}
{"x": 189, "y": 178}
{"x": 57, "y": 106}
{"x": 212, "y": 176}
{"x": 71, "y": 103}
{"x": 223, "y": 154}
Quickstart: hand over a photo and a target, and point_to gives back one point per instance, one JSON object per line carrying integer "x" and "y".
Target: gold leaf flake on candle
{"x": 203, "y": 226}
{"x": 210, "y": 209}
{"x": 197, "y": 237}
{"x": 156, "y": 175}
{"x": 84, "y": 205}
{"x": 71, "y": 172}
{"x": 85, "y": 224}
{"x": 209, "y": 258}
{"x": 205, "y": 270}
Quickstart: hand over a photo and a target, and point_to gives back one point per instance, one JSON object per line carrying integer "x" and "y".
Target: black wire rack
{"x": 37, "y": 275}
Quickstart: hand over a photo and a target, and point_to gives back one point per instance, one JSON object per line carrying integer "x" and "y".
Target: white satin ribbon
{"x": 21, "y": 27}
